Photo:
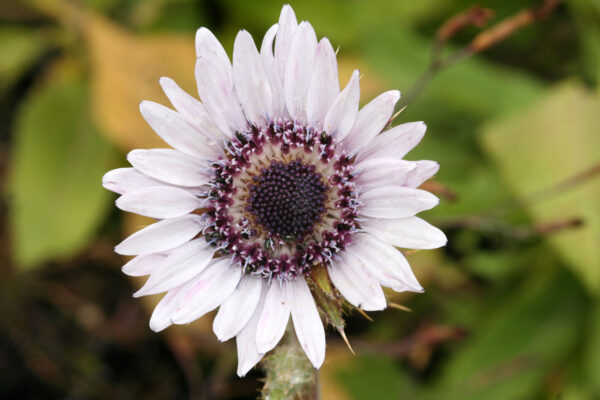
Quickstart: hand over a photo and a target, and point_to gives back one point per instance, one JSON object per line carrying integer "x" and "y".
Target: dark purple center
{"x": 288, "y": 199}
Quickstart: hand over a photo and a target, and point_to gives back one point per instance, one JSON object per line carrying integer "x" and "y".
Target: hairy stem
{"x": 289, "y": 374}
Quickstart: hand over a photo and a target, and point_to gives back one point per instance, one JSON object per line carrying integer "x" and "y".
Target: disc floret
{"x": 282, "y": 200}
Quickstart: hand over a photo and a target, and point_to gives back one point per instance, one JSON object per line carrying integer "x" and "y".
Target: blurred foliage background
{"x": 512, "y": 308}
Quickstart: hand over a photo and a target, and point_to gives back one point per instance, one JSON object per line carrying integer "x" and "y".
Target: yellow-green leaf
{"x": 545, "y": 144}
{"x": 125, "y": 70}
{"x": 55, "y": 187}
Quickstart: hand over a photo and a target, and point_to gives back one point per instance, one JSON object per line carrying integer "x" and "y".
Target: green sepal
{"x": 326, "y": 297}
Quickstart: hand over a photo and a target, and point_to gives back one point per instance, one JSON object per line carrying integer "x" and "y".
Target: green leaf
{"x": 545, "y": 144}
{"x": 19, "y": 48}
{"x": 372, "y": 377}
{"x": 55, "y": 185}
{"x": 586, "y": 15}
{"x": 517, "y": 345}
{"x": 344, "y": 22}
{"x": 592, "y": 351}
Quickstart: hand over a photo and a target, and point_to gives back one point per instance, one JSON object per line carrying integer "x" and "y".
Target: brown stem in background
{"x": 476, "y": 16}
{"x": 440, "y": 189}
{"x": 547, "y": 228}
{"x": 490, "y": 219}
{"x": 517, "y": 232}
{"x": 184, "y": 352}
{"x": 418, "y": 347}
{"x": 507, "y": 27}
{"x": 549, "y": 191}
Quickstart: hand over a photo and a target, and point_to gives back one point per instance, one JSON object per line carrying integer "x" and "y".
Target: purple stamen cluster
{"x": 288, "y": 199}
{"x": 293, "y": 216}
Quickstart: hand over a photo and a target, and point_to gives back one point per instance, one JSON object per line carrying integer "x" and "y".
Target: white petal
{"x": 191, "y": 109}
{"x": 356, "y": 283}
{"x": 274, "y": 317}
{"x": 298, "y": 70}
{"x": 164, "y": 310}
{"x": 307, "y": 323}
{"x": 324, "y": 85}
{"x": 379, "y": 172}
{"x": 386, "y": 263}
{"x": 251, "y": 82}
{"x": 163, "y": 235}
{"x": 214, "y": 78}
{"x": 210, "y": 289}
{"x": 248, "y": 354}
{"x": 219, "y": 98}
{"x": 273, "y": 75}
{"x": 170, "y": 166}
{"x": 370, "y": 121}
{"x": 395, "y": 142}
{"x": 342, "y": 114}
{"x": 123, "y": 180}
{"x": 408, "y": 233}
{"x": 236, "y": 311}
{"x": 396, "y": 202}
{"x": 159, "y": 202}
{"x": 209, "y": 47}
{"x": 285, "y": 35}
{"x": 185, "y": 263}
{"x": 144, "y": 264}
{"x": 177, "y": 132}
{"x": 266, "y": 48}
{"x": 425, "y": 169}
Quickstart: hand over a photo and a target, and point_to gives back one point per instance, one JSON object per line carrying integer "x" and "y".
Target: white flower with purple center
{"x": 274, "y": 174}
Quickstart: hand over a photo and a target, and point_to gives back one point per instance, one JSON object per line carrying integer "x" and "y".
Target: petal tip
{"x": 165, "y": 80}
{"x": 108, "y": 181}
{"x": 121, "y": 251}
{"x": 119, "y": 203}
{"x": 201, "y": 31}
{"x": 156, "y": 327}
{"x": 443, "y": 239}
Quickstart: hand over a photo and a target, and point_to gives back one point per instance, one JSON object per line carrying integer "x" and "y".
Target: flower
{"x": 276, "y": 173}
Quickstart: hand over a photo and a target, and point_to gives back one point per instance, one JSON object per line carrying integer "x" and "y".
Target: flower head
{"x": 275, "y": 174}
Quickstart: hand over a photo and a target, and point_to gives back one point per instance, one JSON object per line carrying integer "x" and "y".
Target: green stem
{"x": 289, "y": 374}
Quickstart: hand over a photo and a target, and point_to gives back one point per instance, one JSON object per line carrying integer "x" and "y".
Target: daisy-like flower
{"x": 275, "y": 174}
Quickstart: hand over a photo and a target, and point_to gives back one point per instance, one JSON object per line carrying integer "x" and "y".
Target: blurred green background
{"x": 512, "y": 308}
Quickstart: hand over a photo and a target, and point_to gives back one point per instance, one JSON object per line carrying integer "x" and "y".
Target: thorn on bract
{"x": 397, "y": 113}
{"x": 364, "y": 314}
{"x": 399, "y": 307}
{"x": 408, "y": 252}
{"x": 343, "y": 335}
